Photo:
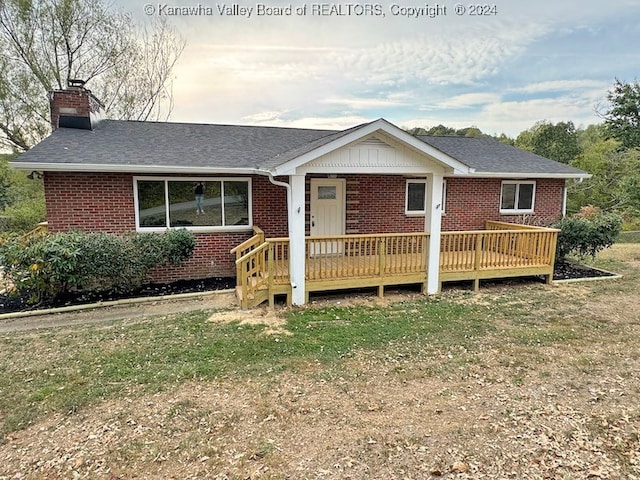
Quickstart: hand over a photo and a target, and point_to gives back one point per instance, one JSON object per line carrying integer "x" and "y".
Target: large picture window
{"x": 517, "y": 197}
{"x": 198, "y": 203}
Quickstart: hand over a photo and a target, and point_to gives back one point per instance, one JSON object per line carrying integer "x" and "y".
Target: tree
{"x": 44, "y": 43}
{"x": 558, "y": 142}
{"x": 21, "y": 199}
{"x": 615, "y": 181}
{"x": 622, "y": 118}
{"x": 441, "y": 130}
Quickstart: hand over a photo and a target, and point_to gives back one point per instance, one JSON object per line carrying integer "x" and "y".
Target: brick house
{"x": 118, "y": 176}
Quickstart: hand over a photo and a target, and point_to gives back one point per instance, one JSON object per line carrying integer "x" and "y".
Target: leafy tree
{"x": 441, "y": 130}
{"x": 44, "y": 43}
{"x": 21, "y": 198}
{"x": 503, "y": 138}
{"x": 558, "y": 142}
{"x": 615, "y": 181}
{"x": 622, "y": 118}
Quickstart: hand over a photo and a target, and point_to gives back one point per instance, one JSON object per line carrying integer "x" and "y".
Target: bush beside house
{"x": 46, "y": 267}
{"x": 587, "y": 232}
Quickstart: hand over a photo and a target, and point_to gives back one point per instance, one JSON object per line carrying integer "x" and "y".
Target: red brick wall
{"x": 98, "y": 202}
{"x": 270, "y": 206}
{"x": 375, "y": 204}
{"x": 103, "y": 202}
{"x": 472, "y": 201}
{"x": 79, "y": 99}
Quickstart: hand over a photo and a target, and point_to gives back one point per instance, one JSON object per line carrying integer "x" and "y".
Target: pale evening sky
{"x": 499, "y": 66}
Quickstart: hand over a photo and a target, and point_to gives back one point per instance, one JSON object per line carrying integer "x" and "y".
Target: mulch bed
{"x": 9, "y": 304}
{"x": 571, "y": 271}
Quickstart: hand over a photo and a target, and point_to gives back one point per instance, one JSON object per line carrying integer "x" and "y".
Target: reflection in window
{"x": 327, "y": 192}
{"x": 416, "y": 196}
{"x": 151, "y": 210}
{"x": 192, "y": 203}
{"x": 517, "y": 197}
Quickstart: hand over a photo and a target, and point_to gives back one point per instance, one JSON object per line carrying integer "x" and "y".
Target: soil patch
{"x": 8, "y": 303}
{"x": 12, "y": 303}
{"x": 565, "y": 270}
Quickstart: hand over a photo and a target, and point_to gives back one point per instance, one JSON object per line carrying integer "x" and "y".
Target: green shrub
{"x": 588, "y": 232}
{"x": 23, "y": 216}
{"x": 49, "y": 266}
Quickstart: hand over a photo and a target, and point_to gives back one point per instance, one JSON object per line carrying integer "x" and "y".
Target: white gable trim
{"x": 378, "y": 153}
{"x": 295, "y": 166}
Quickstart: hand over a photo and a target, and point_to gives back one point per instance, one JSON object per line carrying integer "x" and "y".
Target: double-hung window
{"x": 416, "y": 196}
{"x": 193, "y": 203}
{"x": 517, "y": 197}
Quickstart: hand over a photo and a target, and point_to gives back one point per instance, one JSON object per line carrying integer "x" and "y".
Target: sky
{"x": 500, "y": 68}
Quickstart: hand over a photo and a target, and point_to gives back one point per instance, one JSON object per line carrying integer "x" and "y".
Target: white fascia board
{"x": 373, "y": 170}
{"x": 290, "y": 167}
{"x": 523, "y": 175}
{"x": 159, "y": 169}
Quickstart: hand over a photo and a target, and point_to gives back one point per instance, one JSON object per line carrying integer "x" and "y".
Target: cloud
{"x": 468, "y": 100}
{"x": 561, "y": 86}
{"x": 263, "y": 117}
{"x": 355, "y": 103}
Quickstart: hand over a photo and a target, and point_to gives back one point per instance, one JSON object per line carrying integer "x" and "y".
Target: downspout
{"x": 281, "y": 184}
{"x": 289, "y": 206}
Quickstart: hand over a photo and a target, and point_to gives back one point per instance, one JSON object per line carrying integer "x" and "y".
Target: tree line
{"x": 610, "y": 151}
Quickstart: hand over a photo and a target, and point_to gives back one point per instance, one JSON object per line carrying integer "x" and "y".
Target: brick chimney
{"x": 75, "y": 107}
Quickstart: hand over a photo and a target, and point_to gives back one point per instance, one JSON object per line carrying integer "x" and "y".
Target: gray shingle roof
{"x": 487, "y": 155}
{"x": 129, "y": 144}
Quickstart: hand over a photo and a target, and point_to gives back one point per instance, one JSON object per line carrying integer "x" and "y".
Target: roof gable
{"x": 298, "y": 159}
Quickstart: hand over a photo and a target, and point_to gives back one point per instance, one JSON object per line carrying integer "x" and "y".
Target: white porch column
{"x": 432, "y": 224}
{"x": 296, "y": 218}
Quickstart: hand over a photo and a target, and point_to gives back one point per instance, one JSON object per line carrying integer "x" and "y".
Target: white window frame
{"x": 443, "y": 206}
{"x": 406, "y": 197}
{"x": 426, "y": 193}
{"x": 516, "y": 210}
{"x": 204, "y": 228}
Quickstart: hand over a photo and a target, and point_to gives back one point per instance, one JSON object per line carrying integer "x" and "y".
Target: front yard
{"x": 525, "y": 381}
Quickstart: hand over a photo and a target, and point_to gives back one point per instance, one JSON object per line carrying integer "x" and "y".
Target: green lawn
{"x": 522, "y": 357}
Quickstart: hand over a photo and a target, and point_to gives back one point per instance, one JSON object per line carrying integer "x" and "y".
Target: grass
{"x": 66, "y": 370}
{"x": 629, "y": 237}
{"x": 78, "y": 368}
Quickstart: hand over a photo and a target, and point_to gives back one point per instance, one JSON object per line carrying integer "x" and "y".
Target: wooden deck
{"x": 353, "y": 261}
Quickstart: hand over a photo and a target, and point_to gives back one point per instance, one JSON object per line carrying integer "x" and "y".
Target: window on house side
{"x": 172, "y": 203}
{"x": 517, "y": 197}
{"x": 416, "y": 197}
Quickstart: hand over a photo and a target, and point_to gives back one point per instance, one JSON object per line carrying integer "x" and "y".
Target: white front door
{"x": 327, "y": 211}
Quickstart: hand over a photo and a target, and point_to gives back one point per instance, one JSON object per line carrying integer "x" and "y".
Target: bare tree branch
{"x": 43, "y": 43}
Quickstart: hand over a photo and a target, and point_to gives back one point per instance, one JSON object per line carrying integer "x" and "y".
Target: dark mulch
{"x": 569, "y": 270}
{"x": 9, "y": 304}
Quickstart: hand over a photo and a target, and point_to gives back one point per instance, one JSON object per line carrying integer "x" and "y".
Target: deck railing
{"x": 351, "y": 261}
{"x": 503, "y": 250}
{"x": 357, "y": 256}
